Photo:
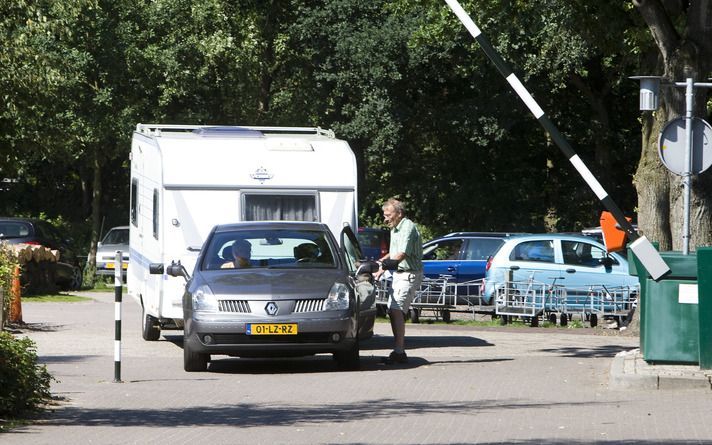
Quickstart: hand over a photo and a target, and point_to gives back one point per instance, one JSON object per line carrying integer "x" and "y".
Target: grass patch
{"x": 54, "y": 298}
{"x": 106, "y": 286}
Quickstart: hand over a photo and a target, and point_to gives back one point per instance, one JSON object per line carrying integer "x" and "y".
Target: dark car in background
{"x": 34, "y": 231}
{"x": 462, "y": 256}
{"x": 374, "y": 241}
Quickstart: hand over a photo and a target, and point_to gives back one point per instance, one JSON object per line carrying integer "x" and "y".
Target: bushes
{"x": 8, "y": 261}
{"x": 24, "y": 384}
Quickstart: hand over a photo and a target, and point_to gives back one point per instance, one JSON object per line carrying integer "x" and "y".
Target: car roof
{"x": 481, "y": 234}
{"x": 119, "y": 228}
{"x": 251, "y": 225}
{"x": 562, "y": 236}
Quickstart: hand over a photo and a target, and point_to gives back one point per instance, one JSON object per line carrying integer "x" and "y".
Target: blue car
{"x": 462, "y": 256}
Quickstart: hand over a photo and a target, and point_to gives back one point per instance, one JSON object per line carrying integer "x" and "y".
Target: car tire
{"x": 151, "y": 329}
{"x": 349, "y": 360}
{"x": 552, "y": 319}
{"x": 593, "y": 320}
{"x": 194, "y": 361}
{"x": 77, "y": 279}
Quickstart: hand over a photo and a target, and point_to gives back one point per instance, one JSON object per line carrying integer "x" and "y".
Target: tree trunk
{"x": 90, "y": 269}
{"x": 660, "y": 206}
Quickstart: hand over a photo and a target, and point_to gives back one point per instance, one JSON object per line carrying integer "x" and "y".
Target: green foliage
{"x": 428, "y": 116}
{"x": 24, "y": 384}
{"x": 8, "y": 262}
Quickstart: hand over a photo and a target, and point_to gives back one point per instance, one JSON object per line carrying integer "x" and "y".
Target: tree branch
{"x": 660, "y": 25}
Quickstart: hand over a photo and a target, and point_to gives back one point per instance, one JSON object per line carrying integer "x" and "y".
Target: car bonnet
{"x": 277, "y": 284}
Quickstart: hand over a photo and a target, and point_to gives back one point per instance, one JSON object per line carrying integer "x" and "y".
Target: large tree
{"x": 682, "y": 31}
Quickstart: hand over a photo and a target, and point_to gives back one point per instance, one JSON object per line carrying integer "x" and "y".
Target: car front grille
{"x": 314, "y": 305}
{"x": 237, "y": 306}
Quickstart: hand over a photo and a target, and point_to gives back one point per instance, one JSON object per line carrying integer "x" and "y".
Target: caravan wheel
{"x": 151, "y": 330}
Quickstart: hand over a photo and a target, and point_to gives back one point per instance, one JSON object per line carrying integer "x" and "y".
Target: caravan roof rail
{"x": 156, "y": 129}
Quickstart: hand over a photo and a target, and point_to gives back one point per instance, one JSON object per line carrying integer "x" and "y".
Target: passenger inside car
{"x": 241, "y": 252}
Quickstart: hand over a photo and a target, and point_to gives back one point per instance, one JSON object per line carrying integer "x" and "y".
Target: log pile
{"x": 37, "y": 268}
{"x": 33, "y": 252}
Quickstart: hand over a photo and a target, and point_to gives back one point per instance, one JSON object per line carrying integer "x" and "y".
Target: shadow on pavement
{"x": 47, "y": 359}
{"x": 248, "y": 415}
{"x": 587, "y": 352}
{"x": 424, "y": 341}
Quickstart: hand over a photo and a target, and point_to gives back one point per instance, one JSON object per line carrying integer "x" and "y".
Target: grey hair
{"x": 397, "y": 205}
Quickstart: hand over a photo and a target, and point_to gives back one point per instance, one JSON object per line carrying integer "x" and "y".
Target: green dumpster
{"x": 704, "y": 272}
{"x": 669, "y": 321}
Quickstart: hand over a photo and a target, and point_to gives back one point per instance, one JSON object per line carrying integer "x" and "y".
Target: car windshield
{"x": 117, "y": 236}
{"x": 14, "y": 229}
{"x": 282, "y": 248}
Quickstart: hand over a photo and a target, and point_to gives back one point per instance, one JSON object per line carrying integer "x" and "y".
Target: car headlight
{"x": 204, "y": 300}
{"x": 338, "y": 298}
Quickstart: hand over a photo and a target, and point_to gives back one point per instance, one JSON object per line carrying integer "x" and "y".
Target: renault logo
{"x": 271, "y": 308}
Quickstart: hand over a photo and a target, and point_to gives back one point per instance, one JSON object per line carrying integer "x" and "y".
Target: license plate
{"x": 272, "y": 329}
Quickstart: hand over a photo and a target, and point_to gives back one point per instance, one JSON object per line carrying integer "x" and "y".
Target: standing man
{"x": 405, "y": 259}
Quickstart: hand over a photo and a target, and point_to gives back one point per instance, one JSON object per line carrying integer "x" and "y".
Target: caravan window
{"x": 264, "y": 207}
{"x": 134, "y": 202}
{"x": 155, "y": 213}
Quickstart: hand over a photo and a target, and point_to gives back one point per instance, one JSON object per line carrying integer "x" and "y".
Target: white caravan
{"x": 186, "y": 179}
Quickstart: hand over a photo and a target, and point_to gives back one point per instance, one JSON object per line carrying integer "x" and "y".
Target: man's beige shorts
{"x": 405, "y": 284}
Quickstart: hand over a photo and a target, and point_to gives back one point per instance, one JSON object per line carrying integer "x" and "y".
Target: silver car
{"x": 290, "y": 291}
{"x": 115, "y": 239}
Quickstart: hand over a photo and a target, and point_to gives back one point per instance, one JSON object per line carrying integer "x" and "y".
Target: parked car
{"x": 68, "y": 273}
{"x": 374, "y": 241}
{"x": 117, "y": 238}
{"x": 300, "y": 294}
{"x": 576, "y": 262}
{"x": 461, "y": 255}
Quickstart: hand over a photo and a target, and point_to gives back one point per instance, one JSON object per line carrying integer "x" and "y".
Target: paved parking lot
{"x": 462, "y": 385}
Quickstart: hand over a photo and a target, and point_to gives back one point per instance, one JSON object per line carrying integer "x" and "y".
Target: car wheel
{"x": 552, "y": 319}
{"x": 194, "y": 361}
{"x": 349, "y": 360}
{"x": 77, "y": 279}
{"x": 151, "y": 330}
{"x": 593, "y": 320}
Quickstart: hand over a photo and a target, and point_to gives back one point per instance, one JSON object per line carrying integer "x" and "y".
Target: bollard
{"x": 117, "y": 317}
{"x": 15, "y": 315}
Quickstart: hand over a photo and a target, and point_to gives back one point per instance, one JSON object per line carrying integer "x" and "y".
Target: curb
{"x": 630, "y": 371}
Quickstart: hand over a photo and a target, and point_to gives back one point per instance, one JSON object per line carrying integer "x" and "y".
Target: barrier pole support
{"x": 117, "y": 316}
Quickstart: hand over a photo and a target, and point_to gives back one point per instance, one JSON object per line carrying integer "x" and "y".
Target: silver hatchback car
{"x": 266, "y": 289}
{"x": 575, "y": 262}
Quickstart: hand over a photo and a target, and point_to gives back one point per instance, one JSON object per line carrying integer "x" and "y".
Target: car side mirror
{"x": 367, "y": 267}
{"x": 607, "y": 262}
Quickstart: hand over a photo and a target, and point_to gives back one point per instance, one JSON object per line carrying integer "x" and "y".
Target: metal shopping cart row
{"x": 528, "y": 300}
{"x": 438, "y": 297}
{"x": 534, "y": 300}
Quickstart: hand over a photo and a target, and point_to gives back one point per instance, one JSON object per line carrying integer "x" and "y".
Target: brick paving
{"x": 462, "y": 385}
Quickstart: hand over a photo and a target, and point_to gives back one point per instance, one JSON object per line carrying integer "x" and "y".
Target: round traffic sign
{"x": 672, "y": 145}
